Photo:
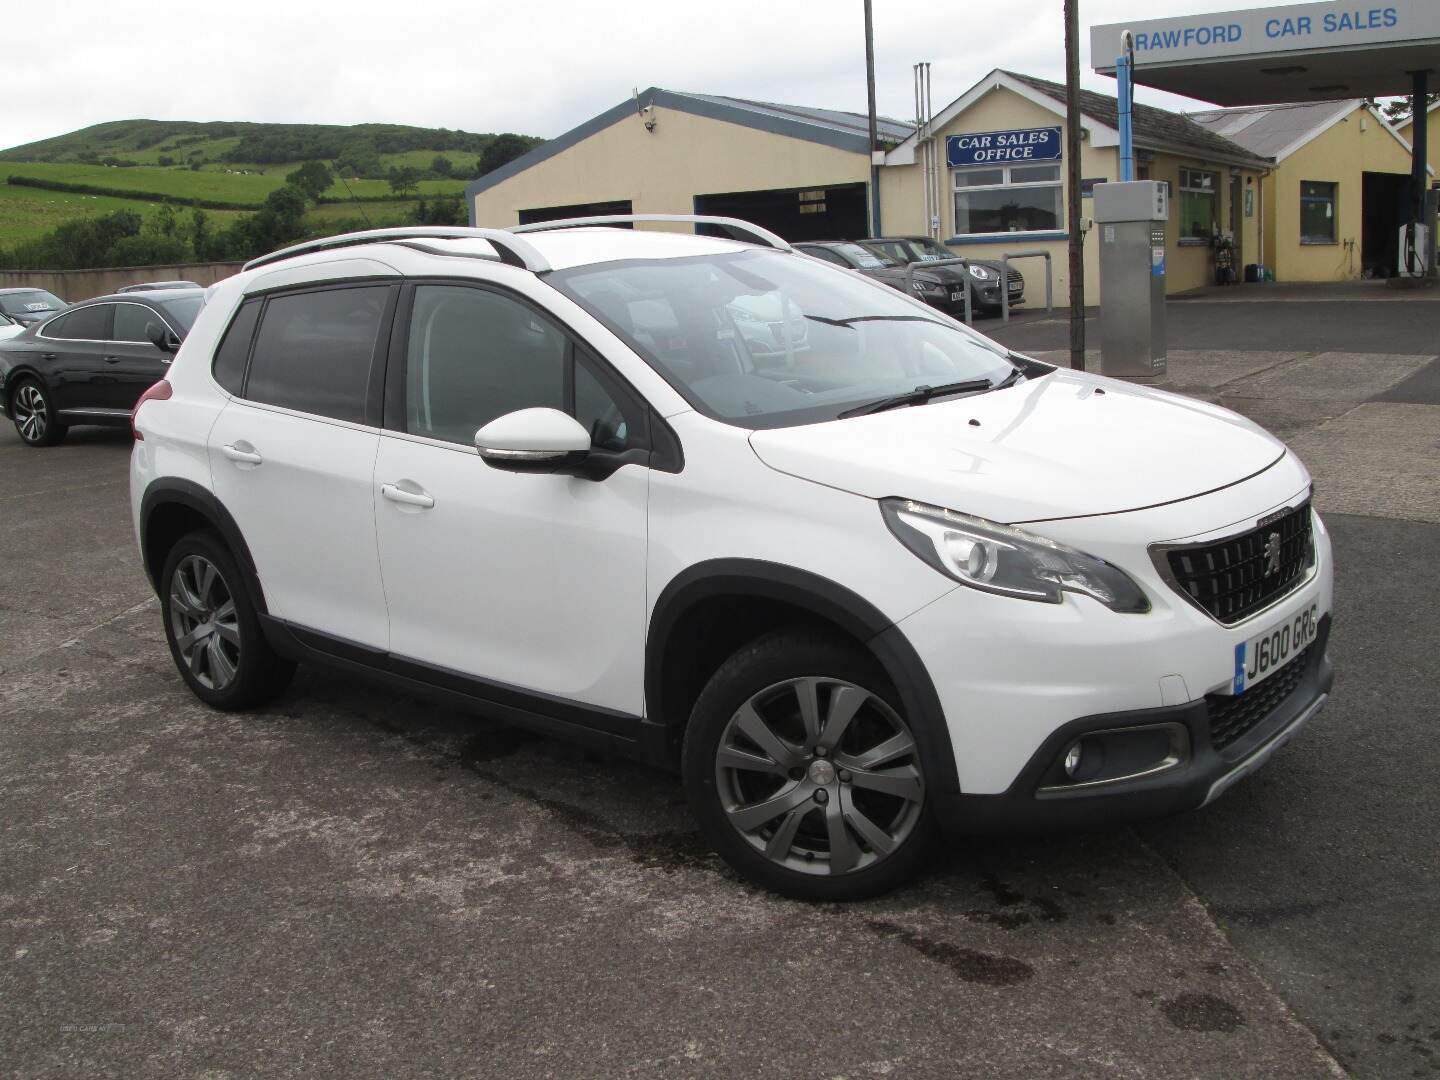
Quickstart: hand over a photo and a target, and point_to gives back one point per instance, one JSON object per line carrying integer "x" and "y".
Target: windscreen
{"x": 30, "y": 301}
{"x": 766, "y": 339}
{"x": 929, "y": 249}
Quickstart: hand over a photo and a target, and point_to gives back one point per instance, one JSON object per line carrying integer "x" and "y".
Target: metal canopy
{"x": 1297, "y": 52}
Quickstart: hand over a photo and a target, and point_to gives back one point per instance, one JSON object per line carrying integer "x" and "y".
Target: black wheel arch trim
{"x": 826, "y": 599}
{"x": 171, "y": 491}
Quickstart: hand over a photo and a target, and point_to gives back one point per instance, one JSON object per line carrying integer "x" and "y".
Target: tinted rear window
{"x": 89, "y": 324}
{"x": 314, "y": 350}
{"x": 229, "y": 366}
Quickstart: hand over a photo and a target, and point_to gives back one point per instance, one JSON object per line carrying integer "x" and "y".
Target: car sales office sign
{"x": 1018, "y": 145}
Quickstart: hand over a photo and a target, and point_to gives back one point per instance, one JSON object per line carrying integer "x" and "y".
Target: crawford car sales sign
{"x": 1003, "y": 147}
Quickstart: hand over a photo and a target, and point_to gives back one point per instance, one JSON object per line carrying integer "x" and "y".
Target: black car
{"x": 151, "y": 286}
{"x": 29, "y": 306}
{"x": 90, "y": 363}
{"x": 982, "y": 275}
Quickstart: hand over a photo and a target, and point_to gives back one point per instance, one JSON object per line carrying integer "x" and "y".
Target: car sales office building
{"x": 985, "y": 175}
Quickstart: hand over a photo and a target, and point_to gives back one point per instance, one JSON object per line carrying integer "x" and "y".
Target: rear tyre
{"x": 34, "y": 416}
{"x": 213, "y": 629}
{"x": 803, "y": 772}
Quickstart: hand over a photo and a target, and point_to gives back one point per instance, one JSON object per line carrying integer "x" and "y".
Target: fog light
{"x": 1072, "y": 760}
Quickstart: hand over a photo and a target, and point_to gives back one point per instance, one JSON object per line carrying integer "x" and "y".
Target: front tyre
{"x": 803, "y": 772}
{"x": 213, "y": 630}
{"x": 34, "y": 416}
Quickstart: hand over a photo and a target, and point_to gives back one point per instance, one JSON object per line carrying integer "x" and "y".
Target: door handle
{"x": 111, "y": 359}
{"x": 47, "y": 356}
{"x": 241, "y": 453}
{"x": 400, "y": 495}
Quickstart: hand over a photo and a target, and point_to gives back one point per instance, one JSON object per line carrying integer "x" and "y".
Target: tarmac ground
{"x": 350, "y": 882}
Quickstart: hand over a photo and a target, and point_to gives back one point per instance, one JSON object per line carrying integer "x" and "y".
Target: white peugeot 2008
{"x": 860, "y": 574}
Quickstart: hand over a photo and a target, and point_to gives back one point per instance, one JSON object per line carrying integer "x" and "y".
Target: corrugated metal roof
{"x": 1272, "y": 130}
{"x": 1154, "y": 128}
{"x": 852, "y": 123}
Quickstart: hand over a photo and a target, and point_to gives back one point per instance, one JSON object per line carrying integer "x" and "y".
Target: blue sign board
{"x": 1003, "y": 147}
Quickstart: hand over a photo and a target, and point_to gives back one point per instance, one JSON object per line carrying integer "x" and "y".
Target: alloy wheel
{"x": 820, "y": 775}
{"x": 204, "y": 623}
{"x": 31, "y": 415}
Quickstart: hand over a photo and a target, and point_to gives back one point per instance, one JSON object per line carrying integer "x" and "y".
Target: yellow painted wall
{"x": 1356, "y": 145}
{"x": 902, "y": 204}
{"x": 661, "y": 172}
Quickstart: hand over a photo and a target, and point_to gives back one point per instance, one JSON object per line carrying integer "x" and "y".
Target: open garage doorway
{"x": 1384, "y": 206}
{"x": 594, "y": 209}
{"x": 819, "y": 213}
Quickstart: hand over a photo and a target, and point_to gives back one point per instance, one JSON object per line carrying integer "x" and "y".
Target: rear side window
{"x": 229, "y": 366}
{"x": 314, "y": 349}
{"x": 86, "y": 324}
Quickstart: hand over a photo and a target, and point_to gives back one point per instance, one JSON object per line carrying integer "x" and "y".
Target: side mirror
{"x": 533, "y": 440}
{"x": 163, "y": 339}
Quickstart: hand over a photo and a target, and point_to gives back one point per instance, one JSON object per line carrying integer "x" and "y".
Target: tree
{"x": 199, "y": 235}
{"x": 359, "y": 158}
{"x": 441, "y": 166}
{"x": 442, "y": 210}
{"x": 313, "y": 178}
{"x": 502, "y": 149}
{"x": 404, "y": 178}
{"x": 1397, "y": 110}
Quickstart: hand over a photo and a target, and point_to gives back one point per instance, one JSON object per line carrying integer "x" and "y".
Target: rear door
{"x": 135, "y": 361}
{"x": 73, "y": 353}
{"x": 292, "y": 457}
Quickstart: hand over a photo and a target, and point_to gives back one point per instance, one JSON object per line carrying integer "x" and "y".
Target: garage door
{"x": 556, "y": 213}
{"x": 819, "y": 213}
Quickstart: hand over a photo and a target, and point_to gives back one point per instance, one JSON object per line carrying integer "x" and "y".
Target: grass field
{"x": 28, "y": 213}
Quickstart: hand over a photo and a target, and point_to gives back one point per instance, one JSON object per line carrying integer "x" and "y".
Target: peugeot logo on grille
{"x": 1272, "y": 554}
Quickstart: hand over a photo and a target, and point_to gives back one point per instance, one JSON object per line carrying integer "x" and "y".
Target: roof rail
{"x": 763, "y": 236}
{"x": 512, "y": 249}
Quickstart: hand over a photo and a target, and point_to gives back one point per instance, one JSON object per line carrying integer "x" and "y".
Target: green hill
{"x": 147, "y": 142}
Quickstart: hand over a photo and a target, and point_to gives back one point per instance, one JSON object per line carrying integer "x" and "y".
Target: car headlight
{"x": 980, "y": 273}
{"x": 1002, "y": 559}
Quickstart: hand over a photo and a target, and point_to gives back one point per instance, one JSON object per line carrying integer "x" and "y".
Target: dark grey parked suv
{"x": 982, "y": 275}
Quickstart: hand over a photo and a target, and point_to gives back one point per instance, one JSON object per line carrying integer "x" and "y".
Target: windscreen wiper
{"x": 919, "y": 396}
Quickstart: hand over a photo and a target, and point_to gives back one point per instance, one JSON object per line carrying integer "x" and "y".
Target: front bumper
{"x": 1034, "y": 804}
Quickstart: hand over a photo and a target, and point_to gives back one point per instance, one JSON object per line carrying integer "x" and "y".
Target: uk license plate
{"x": 958, "y": 294}
{"x": 1015, "y": 286}
{"x": 1262, "y": 656}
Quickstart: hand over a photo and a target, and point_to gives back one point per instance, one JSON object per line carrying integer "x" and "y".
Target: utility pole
{"x": 1072, "y": 170}
{"x": 874, "y": 135}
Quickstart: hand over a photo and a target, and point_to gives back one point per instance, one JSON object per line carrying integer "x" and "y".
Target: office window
{"x": 1008, "y": 198}
{"x": 1199, "y": 205}
{"x": 1317, "y": 212}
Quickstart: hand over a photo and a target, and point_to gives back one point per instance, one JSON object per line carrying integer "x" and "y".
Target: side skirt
{"x": 601, "y": 729}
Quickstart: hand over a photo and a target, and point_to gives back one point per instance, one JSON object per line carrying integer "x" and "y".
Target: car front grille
{"x": 1231, "y": 716}
{"x": 1015, "y": 278}
{"x": 1240, "y": 575}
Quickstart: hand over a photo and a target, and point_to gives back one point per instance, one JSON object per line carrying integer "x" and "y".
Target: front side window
{"x": 182, "y": 312}
{"x": 132, "y": 322}
{"x": 1317, "y": 212}
{"x": 314, "y": 350}
{"x": 86, "y": 324}
{"x": 1007, "y": 198}
{"x": 1199, "y": 209}
{"x": 763, "y": 339}
{"x": 474, "y": 355}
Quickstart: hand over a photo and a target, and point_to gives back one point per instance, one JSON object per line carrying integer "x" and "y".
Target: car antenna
{"x": 353, "y": 199}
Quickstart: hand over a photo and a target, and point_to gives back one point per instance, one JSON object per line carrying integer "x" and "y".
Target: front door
{"x": 532, "y": 581}
{"x": 134, "y": 360}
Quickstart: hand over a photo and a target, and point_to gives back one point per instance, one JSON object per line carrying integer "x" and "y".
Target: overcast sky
{"x": 534, "y": 67}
